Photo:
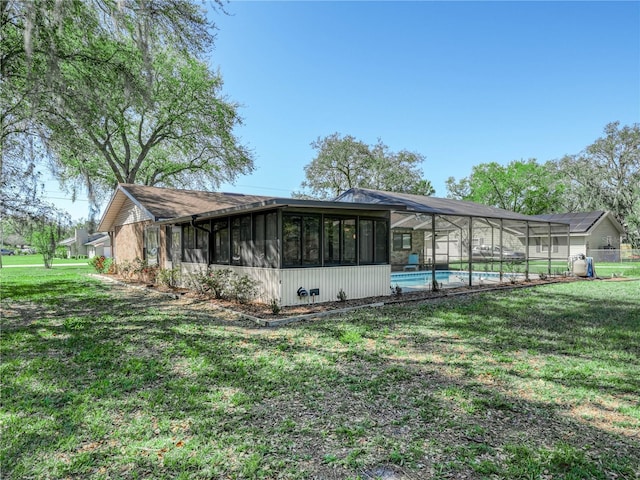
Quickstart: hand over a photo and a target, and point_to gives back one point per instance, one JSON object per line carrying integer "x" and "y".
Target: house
{"x": 76, "y": 245}
{"x": 594, "y": 234}
{"x": 304, "y": 251}
{"x": 99, "y": 245}
{"x": 300, "y": 251}
{"x": 85, "y": 245}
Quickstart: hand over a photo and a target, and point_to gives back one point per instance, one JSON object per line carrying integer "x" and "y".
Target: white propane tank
{"x": 580, "y": 267}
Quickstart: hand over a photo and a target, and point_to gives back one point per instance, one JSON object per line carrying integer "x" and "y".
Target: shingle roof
{"x": 431, "y": 205}
{"x": 579, "y": 222}
{"x": 164, "y": 203}
{"x": 169, "y": 204}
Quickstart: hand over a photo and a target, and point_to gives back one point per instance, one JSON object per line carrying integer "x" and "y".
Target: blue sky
{"x": 462, "y": 83}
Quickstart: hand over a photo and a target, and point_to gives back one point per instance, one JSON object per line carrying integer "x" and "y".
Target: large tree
{"x": 606, "y": 175}
{"x": 343, "y": 162}
{"x": 118, "y": 92}
{"x": 525, "y": 187}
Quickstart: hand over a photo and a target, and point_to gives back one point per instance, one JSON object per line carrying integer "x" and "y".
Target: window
{"x": 189, "y": 237}
{"x": 381, "y": 248}
{"x": 373, "y": 241}
{"x": 366, "y": 241}
{"x": 339, "y": 241}
{"x": 221, "y": 242}
{"x": 151, "y": 251}
{"x": 301, "y": 240}
{"x": 202, "y": 236}
{"x": 271, "y": 236}
{"x": 167, "y": 242}
{"x": 542, "y": 245}
{"x": 241, "y": 240}
{"x": 265, "y": 239}
{"x": 401, "y": 241}
{"x": 195, "y": 242}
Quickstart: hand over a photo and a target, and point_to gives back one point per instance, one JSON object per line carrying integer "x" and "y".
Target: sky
{"x": 462, "y": 83}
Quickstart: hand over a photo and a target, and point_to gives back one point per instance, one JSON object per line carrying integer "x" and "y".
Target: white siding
{"x": 356, "y": 282}
{"x": 578, "y": 245}
{"x": 598, "y": 237}
{"x": 283, "y": 285}
{"x": 130, "y": 213}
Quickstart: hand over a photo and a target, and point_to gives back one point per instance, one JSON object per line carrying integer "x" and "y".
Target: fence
{"x": 611, "y": 255}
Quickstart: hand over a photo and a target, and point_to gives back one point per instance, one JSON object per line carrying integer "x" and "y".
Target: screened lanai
{"x": 438, "y": 243}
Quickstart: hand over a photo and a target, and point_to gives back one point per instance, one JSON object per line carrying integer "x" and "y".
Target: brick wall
{"x": 127, "y": 241}
{"x": 399, "y": 258}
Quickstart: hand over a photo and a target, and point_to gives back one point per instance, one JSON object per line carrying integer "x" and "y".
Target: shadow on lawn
{"x": 116, "y": 382}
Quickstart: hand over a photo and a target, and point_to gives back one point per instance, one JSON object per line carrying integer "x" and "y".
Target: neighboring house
{"x": 76, "y": 245}
{"x": 99, "y": 245}
{"x": 288, "y": 245}
{"x": 594, "y": 234}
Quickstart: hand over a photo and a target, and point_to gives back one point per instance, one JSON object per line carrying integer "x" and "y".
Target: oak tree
{"x": 343, "y": 162}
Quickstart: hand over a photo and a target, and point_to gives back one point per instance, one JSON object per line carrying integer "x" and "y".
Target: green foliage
{"x": 124, "y": 268}
{"x": 216, "y": 281}
{"x": 46, "y": 238}
{"x": 169, "y": 277}
{"x": 137, "y": 68}
{"x": 244, "y": 288}
{"x": 101, "y": 264}
{"x": 275, "y": 306}
{"x": 143, "y": 271}
{"x": 523, "y": 187}
{"x": 342, "y": 296}
{"x": 342, "y": 162}
{"x": 606, "y": 176}
{"x": 223, "y": 283}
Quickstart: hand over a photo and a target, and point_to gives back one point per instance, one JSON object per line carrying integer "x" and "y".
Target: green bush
{"x": 169, "y": 277}
{"x": 101, "y": 264}
{"x": 244, "y": 288}
{"x": 224, "y": 283}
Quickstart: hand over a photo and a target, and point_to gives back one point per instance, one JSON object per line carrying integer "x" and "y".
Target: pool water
{"x": 445, "y": 277}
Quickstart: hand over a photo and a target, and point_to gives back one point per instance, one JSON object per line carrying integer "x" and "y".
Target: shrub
{"x": 342, "y": 296}
{"x": 216, "y": 281}
{"x": 243, "y": 288}
{"x": 275, "y": 306}
{"x": 144, "y": 271}
{"x": 101, "y": 264}
{"x": 125, "y": 268}
{"x": 169, "y": 277}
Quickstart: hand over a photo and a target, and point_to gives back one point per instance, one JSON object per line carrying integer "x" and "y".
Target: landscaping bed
{"x": 266, "y": 313}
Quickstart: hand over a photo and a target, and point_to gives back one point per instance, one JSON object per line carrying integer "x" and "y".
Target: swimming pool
{"x": 421, "y": 280}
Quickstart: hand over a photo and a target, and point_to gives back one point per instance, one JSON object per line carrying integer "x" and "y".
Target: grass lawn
{"x": 36, "y": 259}
{"x": 101, "y": 381}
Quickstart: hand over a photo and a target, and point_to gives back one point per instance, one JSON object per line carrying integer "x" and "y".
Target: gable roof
{"x": 165, "y": 203}
{"x": 98, "y": 239}
{"x": 581, "y": 222}
{"x": 433, "y": 205}
{"x": 169, "y": 205}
